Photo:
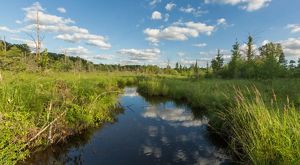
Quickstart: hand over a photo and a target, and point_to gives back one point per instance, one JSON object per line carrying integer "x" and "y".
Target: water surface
{"x": 148, "y": 132}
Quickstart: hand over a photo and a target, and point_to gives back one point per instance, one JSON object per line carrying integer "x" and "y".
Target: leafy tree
{"x": 44, "y": 59}
{"x": 282, "y": 61}
{"x": 11, "y": 60}
{"x": 270, "y": 54}
{"x": 292, "y": 64}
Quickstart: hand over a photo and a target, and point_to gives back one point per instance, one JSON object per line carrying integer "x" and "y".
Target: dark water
{"x": 149, "y": 132}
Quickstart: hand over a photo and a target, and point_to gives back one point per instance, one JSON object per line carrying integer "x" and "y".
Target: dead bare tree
{"x": 4, "y": 45}
{"x": 4, "y": 49}
{"x": 37, "y": 40}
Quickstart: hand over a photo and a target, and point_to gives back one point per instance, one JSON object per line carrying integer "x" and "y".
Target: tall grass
{"x": 261, "y": 127}
{"x": 261, "y": 133}
{"x": 30, "y": 102}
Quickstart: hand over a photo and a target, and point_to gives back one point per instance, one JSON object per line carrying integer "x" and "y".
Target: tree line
{"x": 268, "y": 61}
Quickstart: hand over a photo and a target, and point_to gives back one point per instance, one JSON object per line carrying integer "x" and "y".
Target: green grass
{"x": 261, "y": 127}
{"x": 29, "y": 102}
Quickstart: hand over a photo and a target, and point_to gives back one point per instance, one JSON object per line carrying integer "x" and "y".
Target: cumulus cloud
{"x": 170, "y": 6}
{"x": 44, "y": 18}
{"x": 30, "y": 43}
{"x": 103, "y": 57}
{"x": 6, "y": 29}
{"x": 221, "y": 21}
{"x": 295, "y": 28}
{"x": 181, "y": 54}
{"x": 65, "y": 27}
{"x": 57, "y": 28}
{"x": 195, "y": 11}
{"x": 77, "y": 51}
{"x": 141, "y": 54}
{"x": 200, "y": 45}
{"x": 61, "y": 10}
{"x": 18, "y": 22}
{"x": 249, "y": 5}
{"x": 167, "y": 16}
{"x": 154, "y": 2}
{"x": 90, "y": 39}
{"x": 291, "y": 46}
{"x": 156, "y": 15}
{"x": 179, "y": 31}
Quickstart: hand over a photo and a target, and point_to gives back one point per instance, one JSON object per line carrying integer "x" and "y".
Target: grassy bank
{"x": 40, "y": 109}
{"x": 259, "y": 117}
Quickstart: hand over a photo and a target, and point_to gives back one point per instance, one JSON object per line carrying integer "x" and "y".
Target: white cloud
{"x": 30, "y": 43}
{"x": 141, "y": 54}
{"x": 249, "y": 5}
{"x": 181, "y": 54}
{"x": 77, "y": 51}
{"x": 18, "y": 22}
{"x": 154, "y": 2}
{"x": 195, "y": 11}
{"x": 90, "y": 39}
{"x": 167, "y": 16}
{"x": 221, "y": 21}
{"x": 57, "y": 28}
{"x": 265, "y": 42}
{"x": 6, "y": 29}
{"x": 62, "y": 26}
{"x": 156, "y": 15}
{"x": 295, "y": 28}
{"x": 103, "y": 57}
{"x": 44, "y": 18}
{"x": 61, "y": 10}
{"x": 170, "y": 6}
{"x": 244, "y": 49}
{"x": 178, "y": 31}
{"x": 200, "y": 45}
{"x": 291, "y": 47}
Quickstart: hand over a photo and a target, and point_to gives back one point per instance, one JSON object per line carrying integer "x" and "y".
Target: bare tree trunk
{"x": 1, "y": 78}
{"x": 4, "y": 45}
{"x": 38, "y": 42}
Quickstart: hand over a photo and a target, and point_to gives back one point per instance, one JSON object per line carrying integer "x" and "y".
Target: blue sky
{"x": 153, "y": 31}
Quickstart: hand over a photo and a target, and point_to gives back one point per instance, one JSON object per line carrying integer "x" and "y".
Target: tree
{"x": 282, "y": 61}
{"x": 249, "y": 48}
{"x": 176, "y": 66}
{"x": 196, "y": 70}
{"x": 270, "y": 54}
{"x": 11, "y": 60}
{"x": 217, "y": 63}
{"x": 37, "y": 39}
{"x": 44, "y": 59}
{"x": 292, "y": 64}
{"x": 234, "y": 64}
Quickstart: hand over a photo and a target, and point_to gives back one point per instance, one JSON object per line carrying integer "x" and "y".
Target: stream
{"x": 149, "y": 131}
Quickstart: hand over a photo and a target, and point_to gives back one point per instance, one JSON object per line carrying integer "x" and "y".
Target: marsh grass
{"x": 260, "y": 124}
{"x": 263, "y": 134}
{"x": 29, "y": 102}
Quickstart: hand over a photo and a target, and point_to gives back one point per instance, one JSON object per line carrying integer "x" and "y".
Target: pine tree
{"x": 250, "y": 49}
{"x": 235, "y": 60}
{"x": 218, "y": 62}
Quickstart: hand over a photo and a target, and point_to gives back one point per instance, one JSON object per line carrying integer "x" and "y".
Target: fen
{"x": 252, "y": 101}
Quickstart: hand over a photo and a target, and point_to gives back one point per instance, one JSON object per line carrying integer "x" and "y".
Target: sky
{"x": 152, "y": 31}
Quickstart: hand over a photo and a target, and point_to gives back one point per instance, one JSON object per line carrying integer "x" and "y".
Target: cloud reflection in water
{"x": 176, "y": 116}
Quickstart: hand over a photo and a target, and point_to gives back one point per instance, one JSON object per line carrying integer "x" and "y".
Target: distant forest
{"x": 269, "y": 62}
